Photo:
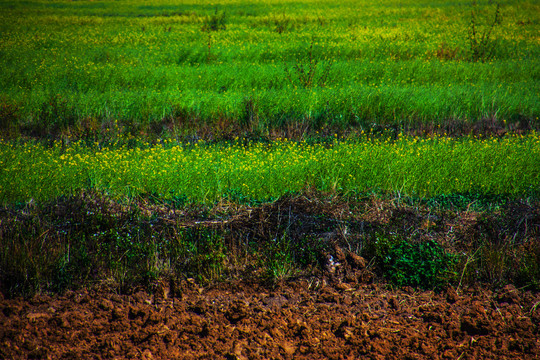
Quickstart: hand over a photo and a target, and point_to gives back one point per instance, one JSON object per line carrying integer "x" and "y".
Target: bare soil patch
{"x": 298, "y": 319}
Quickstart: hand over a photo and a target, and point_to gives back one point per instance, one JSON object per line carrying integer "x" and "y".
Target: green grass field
{"x": 267, "y": 64}
{"x": 411, "y": 166}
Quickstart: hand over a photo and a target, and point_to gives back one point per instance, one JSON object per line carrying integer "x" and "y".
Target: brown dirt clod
{"x": 246, "y": 321}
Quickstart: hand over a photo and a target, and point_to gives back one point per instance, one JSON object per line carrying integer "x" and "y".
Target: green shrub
{"x": 424, "y": 264}
{"x": 307, "y": 72}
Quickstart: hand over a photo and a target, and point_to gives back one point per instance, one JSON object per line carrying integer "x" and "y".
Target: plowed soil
{"x": 299, "y": 319}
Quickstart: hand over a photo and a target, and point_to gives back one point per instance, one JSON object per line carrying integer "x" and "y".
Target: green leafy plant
{"x": 424, "y": 264}
{"x": 471, "y": 200}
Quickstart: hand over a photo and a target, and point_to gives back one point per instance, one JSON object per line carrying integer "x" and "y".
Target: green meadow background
{"x": 267, "y": 64}
{"x": 129, "y": 68}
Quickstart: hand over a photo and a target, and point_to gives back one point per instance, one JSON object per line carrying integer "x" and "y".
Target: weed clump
{"x": 480, "y": 39}
{"x": 55, "y": 115}
{"x": 308, "y": 73}
{"x": 423, "y": 264}
{"x": 215, "y": 22}
{"x": 200, "y": 253}
{"x": 285, "y": 256}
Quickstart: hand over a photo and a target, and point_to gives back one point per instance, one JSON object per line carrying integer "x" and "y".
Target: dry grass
{"x": 89, "y": 238}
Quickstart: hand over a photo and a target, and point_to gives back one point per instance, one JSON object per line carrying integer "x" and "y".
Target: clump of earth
{"x": 297, "y": 319}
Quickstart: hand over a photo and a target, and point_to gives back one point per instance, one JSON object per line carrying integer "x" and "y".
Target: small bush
{"x": 284, "y": 256}
{"x": 282, "y": 24}
{"x": 424, "y": 264}
{"x": 445, "y": 52}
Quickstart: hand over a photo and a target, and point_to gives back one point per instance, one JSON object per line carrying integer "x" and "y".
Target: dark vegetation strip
{"x": 187, "y": 127}
{"x": 91, "y": 240}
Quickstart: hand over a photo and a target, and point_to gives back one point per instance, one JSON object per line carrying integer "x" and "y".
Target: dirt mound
{"x": 301, "y": 319}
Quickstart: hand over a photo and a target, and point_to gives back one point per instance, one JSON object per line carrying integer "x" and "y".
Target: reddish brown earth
{"x": 302, "y": 319}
